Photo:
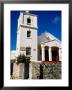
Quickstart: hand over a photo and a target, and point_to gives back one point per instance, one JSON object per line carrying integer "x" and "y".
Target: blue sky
{"x": 49, "y": 21}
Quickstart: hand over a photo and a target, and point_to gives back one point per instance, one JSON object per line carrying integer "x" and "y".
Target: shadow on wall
{"x": 26, "y": 71}
{"x": 41, "y": 71}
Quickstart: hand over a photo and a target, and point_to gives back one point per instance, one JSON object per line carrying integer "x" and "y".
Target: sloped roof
{"x": 47, "y": 37}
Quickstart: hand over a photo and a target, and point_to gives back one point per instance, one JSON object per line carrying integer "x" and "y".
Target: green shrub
{"x": 22, "y": 59}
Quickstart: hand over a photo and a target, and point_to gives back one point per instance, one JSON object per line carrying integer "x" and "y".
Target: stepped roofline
{"x": 28, "y": 13}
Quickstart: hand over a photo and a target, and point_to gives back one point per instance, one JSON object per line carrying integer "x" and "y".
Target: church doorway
{"x": 55, "y": 54}
{"x": 46, "y": 53}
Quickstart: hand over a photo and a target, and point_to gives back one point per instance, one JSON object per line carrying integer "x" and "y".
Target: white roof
{"x": 47, "y": 37}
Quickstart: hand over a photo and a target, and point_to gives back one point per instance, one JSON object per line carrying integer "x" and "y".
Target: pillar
{"x": 59, "y": 54}
{"x": 50, "y": 54}
{"x": 30, "y": 70}
{"x": 43, "y": 53}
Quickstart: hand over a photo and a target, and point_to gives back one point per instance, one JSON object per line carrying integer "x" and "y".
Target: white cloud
{"x": 56, "y": 19}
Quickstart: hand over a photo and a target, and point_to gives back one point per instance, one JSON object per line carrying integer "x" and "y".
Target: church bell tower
{"x": 27, "y": 35}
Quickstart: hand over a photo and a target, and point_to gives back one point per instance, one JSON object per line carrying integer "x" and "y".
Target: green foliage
{"x": 22, "y": 59}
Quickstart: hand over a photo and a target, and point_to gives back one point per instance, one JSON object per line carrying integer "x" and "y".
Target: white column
{"x": 30, "y": 70}
{"x": 43, "y": 54}
{"x": 59, "y": 54}
{"x": 50, "y": 54}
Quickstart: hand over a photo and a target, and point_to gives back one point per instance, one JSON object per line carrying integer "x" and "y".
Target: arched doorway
{"x": 46, "y": 53}
{"x": 55, "y": 54}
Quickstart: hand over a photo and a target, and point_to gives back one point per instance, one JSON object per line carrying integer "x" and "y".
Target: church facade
{"x": 49, "y": 47}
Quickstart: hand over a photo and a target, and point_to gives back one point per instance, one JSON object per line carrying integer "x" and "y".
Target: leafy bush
{"x": 22, "y": 59}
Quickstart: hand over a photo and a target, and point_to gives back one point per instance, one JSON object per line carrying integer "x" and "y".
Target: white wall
{"x": 53, "y": 43}
{"x": 12, "y": 54}
{"x": 18, "y": 43}
{"x": 22, "y": 39}
{"x": 33, "y": 20}
{"x": 29, "y": 41}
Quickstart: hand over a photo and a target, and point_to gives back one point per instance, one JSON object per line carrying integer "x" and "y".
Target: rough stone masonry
{"x": 37, "y": 70}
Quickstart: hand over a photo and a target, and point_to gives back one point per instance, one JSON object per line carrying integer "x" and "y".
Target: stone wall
{"x": 18, "y": 71}
{"x": 37, "y": 70}
{"x": 52, "y": 71}
{"x": 49, "y": 70}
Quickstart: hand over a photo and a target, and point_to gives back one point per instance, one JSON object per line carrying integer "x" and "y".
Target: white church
{"x": 45, "y": 47}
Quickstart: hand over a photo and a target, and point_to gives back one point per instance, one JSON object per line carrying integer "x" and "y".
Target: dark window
{"x": 28, "y": 33}
{"x": 11, "y": 68}
{"x": 28, "y": 21}
{"x": 28, "y": 51}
